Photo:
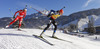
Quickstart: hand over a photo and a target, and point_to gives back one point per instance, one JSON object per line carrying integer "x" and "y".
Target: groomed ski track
{"x": 14, "y": 39}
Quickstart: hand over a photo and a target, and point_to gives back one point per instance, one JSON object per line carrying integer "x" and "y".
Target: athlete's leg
{"x": 13, "y": 21}
{"x": 55, "y": 25}
{"x": 48, "y": 25}
{"x": 20, "y": 21}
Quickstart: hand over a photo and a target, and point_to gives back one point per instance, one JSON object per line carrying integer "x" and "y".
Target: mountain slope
{"x": 36, "y": 19}
{"x": 83, "y": 23}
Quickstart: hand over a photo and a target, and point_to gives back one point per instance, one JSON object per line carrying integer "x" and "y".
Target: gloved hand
{"x": 48, "y": 15}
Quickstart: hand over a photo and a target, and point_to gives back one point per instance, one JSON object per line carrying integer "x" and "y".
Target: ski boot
{"x": 19, "y": 29}
{"x": 54, "y": 37}
{"x": 7, "y": 26}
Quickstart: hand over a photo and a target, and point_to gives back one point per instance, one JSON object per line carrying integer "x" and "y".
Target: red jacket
{"x": 21, "y": 13}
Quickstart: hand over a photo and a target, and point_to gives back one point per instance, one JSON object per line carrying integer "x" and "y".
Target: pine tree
{"x": 91, "y": 28}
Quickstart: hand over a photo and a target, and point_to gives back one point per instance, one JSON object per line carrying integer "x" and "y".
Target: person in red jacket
{"x": 22, "y": 14}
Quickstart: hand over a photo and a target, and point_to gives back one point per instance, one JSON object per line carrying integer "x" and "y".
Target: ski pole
{"x": 26, "y": 6}
{"x": 63, "y": 7}
{"x": 37, "y": 10}
{"x": 10, "y": 11}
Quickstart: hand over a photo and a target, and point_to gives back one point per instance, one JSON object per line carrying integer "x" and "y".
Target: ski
{"x": 43, "y": 39}
{"x": 60, "y": 39}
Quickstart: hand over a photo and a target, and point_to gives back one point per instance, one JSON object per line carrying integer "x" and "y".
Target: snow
{"x": 83, "y": 23}
{"x": 14, "y": 39}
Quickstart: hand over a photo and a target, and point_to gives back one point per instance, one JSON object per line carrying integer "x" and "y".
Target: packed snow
{"x": 14, "y": 39}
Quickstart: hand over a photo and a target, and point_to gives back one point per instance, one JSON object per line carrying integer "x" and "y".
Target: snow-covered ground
{"x": 13, "y": 39}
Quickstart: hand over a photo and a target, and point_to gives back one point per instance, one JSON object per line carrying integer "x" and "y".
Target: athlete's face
{"x": 61, "y": 13}
{"x": 25, "y": 10}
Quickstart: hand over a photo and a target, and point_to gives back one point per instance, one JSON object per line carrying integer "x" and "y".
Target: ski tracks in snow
{"x": 12, "y": 39}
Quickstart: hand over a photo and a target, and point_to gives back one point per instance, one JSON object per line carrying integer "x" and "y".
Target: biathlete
{"x": 53, "y": 16}
{"x": 22, "y": 14}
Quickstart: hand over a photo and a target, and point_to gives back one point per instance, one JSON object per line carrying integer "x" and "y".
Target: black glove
{"x": 48, "y": 15}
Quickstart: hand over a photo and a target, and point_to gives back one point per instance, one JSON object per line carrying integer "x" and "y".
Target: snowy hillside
{"x": 13, "y": 39}
{"x": 83, "y": 22}
{"x": 73, "y": 22}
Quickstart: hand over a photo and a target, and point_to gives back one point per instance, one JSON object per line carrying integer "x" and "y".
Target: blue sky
{"x": 72, "y": 6}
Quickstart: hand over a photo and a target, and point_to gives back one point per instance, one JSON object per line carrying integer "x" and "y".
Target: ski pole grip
{"x": 63, "y": 7}
{"x": 13, "y": 16}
